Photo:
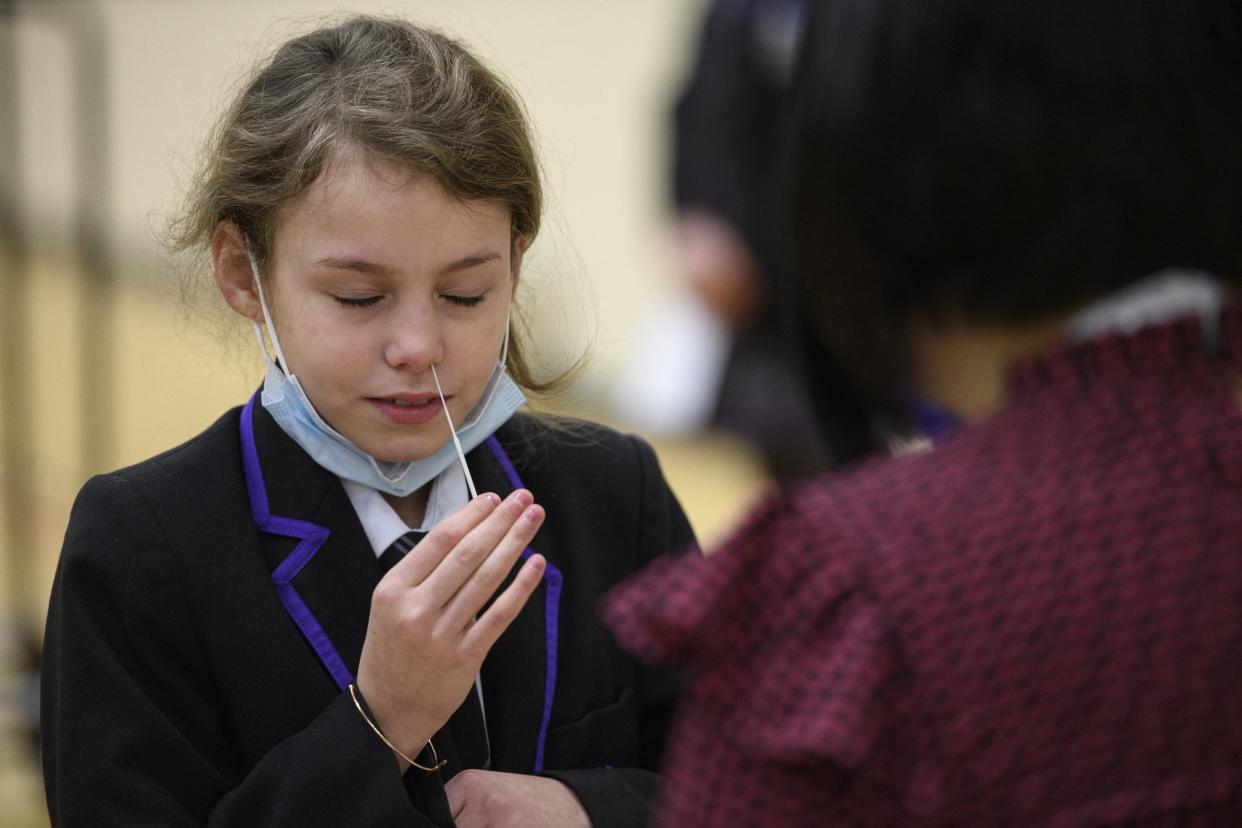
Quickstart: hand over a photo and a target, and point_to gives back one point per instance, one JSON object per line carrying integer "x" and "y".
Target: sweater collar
{"x": 1188, "y": 345}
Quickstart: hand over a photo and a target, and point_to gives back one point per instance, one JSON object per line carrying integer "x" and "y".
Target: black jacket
{"x": 184, "y": 685}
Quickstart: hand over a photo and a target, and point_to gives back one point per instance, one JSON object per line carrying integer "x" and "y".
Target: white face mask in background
{"x": 284, "y": 398}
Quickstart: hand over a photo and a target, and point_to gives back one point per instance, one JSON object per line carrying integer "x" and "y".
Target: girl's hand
{"x": 426, "y": 638}
{"x": 490, "y": 799}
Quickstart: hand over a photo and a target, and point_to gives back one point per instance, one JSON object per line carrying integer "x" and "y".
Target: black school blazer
{"x": 194, "y": 662}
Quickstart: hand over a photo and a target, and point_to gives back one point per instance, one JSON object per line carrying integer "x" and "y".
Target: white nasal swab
{"x": 461, "y": 456}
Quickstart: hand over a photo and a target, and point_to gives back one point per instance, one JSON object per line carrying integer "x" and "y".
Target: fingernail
{"x": 523, "y": 497}
{"x": 533, "y": 514}
{"x": 490, "y": 499}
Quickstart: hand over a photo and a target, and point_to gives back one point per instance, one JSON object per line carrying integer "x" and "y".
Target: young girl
{"x": 245, "y": 630}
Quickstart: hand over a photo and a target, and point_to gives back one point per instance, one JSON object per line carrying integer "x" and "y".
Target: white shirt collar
{"x": 1159, "y": 298}
{"x": 381, "y": 522}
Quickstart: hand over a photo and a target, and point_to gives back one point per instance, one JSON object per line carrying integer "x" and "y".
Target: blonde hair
{"x": 398, "y": 92}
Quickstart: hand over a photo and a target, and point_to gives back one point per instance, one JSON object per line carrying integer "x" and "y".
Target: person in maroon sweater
{"x": 1028, "y": 215}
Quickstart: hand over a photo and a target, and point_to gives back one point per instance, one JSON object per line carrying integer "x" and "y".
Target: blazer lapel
{"x": 321, "y": 563}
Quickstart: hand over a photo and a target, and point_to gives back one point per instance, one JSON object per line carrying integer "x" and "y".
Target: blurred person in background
{"x": 1026, "y": 215}
{"x": 307, "y": 615}
{"x": 712, "y": 353}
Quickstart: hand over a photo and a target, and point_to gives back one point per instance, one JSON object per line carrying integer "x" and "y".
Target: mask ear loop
{"x": 504, "y": 348}
{"x": 267, "y": 317}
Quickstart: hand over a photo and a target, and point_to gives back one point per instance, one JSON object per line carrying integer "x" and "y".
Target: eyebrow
{"x": 360, "y": 265}
{"x": 471, "y": 261}
{"x": 364, "y": 266}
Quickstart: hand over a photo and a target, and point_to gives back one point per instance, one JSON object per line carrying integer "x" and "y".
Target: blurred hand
{"x": 719, "y": 268}
{"x": 490, "y": 799}
{"x": 426, "y": 638}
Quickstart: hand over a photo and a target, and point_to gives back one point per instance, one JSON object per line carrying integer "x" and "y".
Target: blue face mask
{"x": 288, "y": 404}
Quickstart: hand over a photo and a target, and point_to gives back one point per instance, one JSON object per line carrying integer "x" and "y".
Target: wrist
{"x": 405, "y": 731}
{"x": 405, "y": 758}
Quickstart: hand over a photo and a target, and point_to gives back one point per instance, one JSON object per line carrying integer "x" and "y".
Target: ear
{"x": 230, "y": 260}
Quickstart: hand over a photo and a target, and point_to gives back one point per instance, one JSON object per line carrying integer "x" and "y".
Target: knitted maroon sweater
{"x": 1037, "y": 623}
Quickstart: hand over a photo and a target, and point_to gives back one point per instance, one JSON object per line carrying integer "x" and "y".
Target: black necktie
{"x": 399, "y": 547}
{"x": 466, "y": 727}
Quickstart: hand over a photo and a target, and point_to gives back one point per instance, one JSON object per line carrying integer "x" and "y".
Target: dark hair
{"x": 1001, "y": 161}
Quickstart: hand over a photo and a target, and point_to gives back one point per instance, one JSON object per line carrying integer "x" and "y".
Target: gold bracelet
{"x": 439, "y": 763}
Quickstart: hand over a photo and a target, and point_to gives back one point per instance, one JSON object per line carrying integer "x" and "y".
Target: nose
{"x": 413, "y": 339}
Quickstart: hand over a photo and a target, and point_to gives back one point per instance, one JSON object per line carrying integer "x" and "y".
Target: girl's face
{"x": 376, "y": 275}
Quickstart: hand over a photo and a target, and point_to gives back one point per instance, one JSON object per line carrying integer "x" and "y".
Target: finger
{"x": 455, "y": 790}
{"x": 462, "y": 803}
{"x": 427, "y": 554}
{"x": 504, "y": 609}
{"x": 458, "y": 565}
{"x": 482, "y": 585}
{"x": 469, "y": 816}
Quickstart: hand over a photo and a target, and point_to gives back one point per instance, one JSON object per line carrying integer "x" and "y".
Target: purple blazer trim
{"x": 311, "y": 537}
{"x": 552, "y": 603}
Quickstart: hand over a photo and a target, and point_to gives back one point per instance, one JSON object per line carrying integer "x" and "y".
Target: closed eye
{"x": 465, "y": 301}
{"x": 351, "y": 302}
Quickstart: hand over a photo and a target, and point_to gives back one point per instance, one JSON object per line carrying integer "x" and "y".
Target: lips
{"x": 407, "y": 403}
{"x": 408, "y": 409}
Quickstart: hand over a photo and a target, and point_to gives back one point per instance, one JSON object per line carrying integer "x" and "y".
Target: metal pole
{"x": 16, "y": 375}
{"x": 82, "y": 24}
{"x": 96, "y": 310}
